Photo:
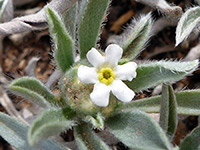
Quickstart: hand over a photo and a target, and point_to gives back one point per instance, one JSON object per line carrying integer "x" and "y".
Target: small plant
{"x": 98, "y": 89}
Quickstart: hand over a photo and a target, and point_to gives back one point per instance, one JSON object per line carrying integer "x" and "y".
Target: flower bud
{"x": 77, "y": 95}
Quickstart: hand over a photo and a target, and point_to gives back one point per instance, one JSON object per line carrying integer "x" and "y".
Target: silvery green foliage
{"x": 51, "y": 122}
{"x": 133, "y": 127}
{"x": 91, "y": 16}
{"x": 168, "y": 111}
{"x": 187, "y": 103}
{"x": 63, "y": 43}
{"x": 136, "y": 36}
{"x": 160, "y": 72}
{"x": 35, "y": 90}
{"x": 16, "y": 134}
{"x": 191, "y": 141}
{"x": 87, "y": 139}
{"x": 138, "y": 131}
{"x": 189, "y": 20}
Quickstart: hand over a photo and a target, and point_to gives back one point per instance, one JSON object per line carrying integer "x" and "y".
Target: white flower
{"x": 106, "y": 75}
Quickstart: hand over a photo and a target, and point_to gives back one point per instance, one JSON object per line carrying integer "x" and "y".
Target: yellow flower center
{"x": 106, "y": 76}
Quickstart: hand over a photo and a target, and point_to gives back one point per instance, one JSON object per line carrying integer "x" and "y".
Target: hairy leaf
{"x": 137, "y": 130}
{"x": 168, "y": 111}
{"x": 154, "y": 73}
{"x": 164, "y": 108}
{"x": 189, "y": 20}
{"x": 34, "y": 90}
{"x": 173, "y": 118}
{"x": 51, "y": 122}
{"x": 188, "y": 103}
{"x": 15, "y": 133}
{"x": 63, "y": 43}
{"x": 86, "y": 139}
{"x": 191, "y": 141}
{"x": 136, "y": 36}
{"x": 91, "y": 17}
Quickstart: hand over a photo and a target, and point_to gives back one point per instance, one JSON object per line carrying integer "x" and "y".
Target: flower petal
{"x": 126, "y": 71}
{"x": 113, "y": 54}
{"x": 100, "y": 95}
{"x": 95, "y": 58}
{"x": 122, "y": 91}
{"x": 87, "y": 74}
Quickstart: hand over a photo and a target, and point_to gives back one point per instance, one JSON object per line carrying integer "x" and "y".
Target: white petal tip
{"x": 126, "y": 71}
{"x": 95, "y": 58}
{"x": 100, "y": 95}
{"x": 131, "y": 96}
{"x": 122, "y": 91}
{"x": 113, "y": 54}
{"x": 98, "y": 101}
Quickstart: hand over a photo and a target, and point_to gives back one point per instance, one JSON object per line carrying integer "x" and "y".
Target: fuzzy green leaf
{"x": 164, "y": 108}
{"x": 173, "y": 115}
{"x": 70, "y": 20}
{"x": 149, "y": 105}
{"x": 191, "y": 141}
{"x": 15, "y": 133}
{"x": 189, "y": 20}
{"x": 91, "y": 17}
{"x": 136, "y": 36}
{"x": 34, "y": 90}
{"x": 154, "y": 73}
{"x": 51, "y": 122}
{"x": 63, "y": 43}
{"x": 86, "y": 139}
{"x": 137, "y": 130}
{"x": 168, "y": 111}
{"x": 188, "y": 103}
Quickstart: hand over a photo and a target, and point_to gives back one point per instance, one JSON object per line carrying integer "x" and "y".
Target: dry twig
{"x": 160, "y": 50}
{"x": 21, "y": 2}
{"x": 35, "y": 21}
{"x": 116, "y": 27}
{"x": 31, "y": 67}
{"x": 55, "y": 76}
{"x": 193, "y": 54}
{"x": 163, "y": 7}
{"x": 6, "y": 102}
{"x": 27, "y": 12}
{"x": 161, "y": 24}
